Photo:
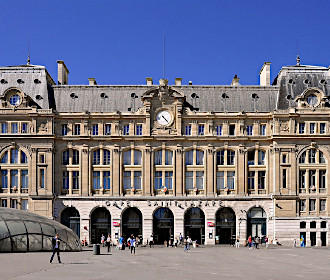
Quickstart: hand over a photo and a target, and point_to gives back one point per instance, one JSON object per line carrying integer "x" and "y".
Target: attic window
{"x": 291, "y": 81}
{"x": 289, "y": 97}
{"x": 255, "y": 96}
{"x": 103, "y": 95}
{"x": 36, "y": 81}
{"x": 73, "y": 95}
{"x": 3, "y": 81}
{"x": 20, "y": 81}
{"x": 38, "y": 97}
{"x": 323, "y": 82}
{"x": 224, "y": 95}
{"x": 306, "y": 81}
{"x": 312, "y": 100}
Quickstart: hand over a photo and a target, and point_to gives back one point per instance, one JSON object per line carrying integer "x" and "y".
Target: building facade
{"x": 212, "y": 162}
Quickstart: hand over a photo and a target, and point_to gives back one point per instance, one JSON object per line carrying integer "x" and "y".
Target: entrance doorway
{"x": 100, "y": 224}
{"x": 163, "y": 225}
{"x": 256, "y": 222}
{"x": 131, "y": 222}
{"x": 313, "y": 238}
{"x": 323, "y": 238}
{"x": 70, "y": 217}
{"x": 225, "y": 226}
{"x": 194, "y": 224}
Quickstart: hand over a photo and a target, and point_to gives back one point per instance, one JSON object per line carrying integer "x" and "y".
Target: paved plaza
{"x": 172, "y": 263}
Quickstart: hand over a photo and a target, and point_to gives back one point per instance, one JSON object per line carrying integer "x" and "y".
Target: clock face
{"x": 164, "y": 118}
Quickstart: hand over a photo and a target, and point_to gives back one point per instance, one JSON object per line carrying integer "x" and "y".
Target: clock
{"x": 164, "y": 118}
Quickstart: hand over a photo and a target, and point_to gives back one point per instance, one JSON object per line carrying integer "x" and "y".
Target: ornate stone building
{"x": 212, "y": 162}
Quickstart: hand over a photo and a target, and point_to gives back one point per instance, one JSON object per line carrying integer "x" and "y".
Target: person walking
{"x": 185, "y": 243}
{"x": 189, "y": 242}
{"x": 56, "y": 248}
{"x": 257, "y": 241}
{"x": 102, "y": 240}
{"x": 250, "y": 242}
{"x": 132, "y": 243}
{"x": 151, "y": 241}
{"x": 180, "y": 239}
{"x": 237, "y": 243}
{"x": 108, "y": 243}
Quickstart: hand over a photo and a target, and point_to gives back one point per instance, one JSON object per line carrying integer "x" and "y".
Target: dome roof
{"x": 22, "y": 231}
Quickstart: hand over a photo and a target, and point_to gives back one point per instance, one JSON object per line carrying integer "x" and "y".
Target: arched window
{"x": 70, "y": 171}
{"x": 256, "y": 171}
{"x": 312, "y": 167}
{"x": 225, "y": 171}
{"x": 194, "y": 173}
{"x": 163, "y": 171}
{"x": 132, "y": 171}
{"x": 14, "y": 171}
{"x": 101, "y": 179}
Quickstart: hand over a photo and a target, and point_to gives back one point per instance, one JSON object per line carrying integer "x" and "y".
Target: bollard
{"x": 96, "y": 249}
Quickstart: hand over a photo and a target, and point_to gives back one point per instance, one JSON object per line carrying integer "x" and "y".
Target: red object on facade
{"x": 116, "y": 224}
{"x": 85, "y": 228}
{"x": 210, "y": 224}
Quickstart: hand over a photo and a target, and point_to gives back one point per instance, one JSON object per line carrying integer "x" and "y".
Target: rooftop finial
{"x": 298, "y": 60}
{"x": 28, "y": 60}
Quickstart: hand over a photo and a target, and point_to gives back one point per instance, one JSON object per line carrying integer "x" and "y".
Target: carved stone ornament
{"x": 284, "y": 126}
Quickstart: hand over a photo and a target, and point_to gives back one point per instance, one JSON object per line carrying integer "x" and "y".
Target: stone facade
{"x": 213, "y": 162}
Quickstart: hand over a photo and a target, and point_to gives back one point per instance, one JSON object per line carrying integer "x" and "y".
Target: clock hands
{"x": 165, "y": 119}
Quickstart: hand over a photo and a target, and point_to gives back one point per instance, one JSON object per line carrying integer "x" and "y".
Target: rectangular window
{"x": 41, "y": 158}
{"x": 189, "y": 178}
{"x": 96, "y": 157}
{"x": 302, "y": 205}
{"x": 106, "y": 157}
{"x": 42, "y": 178}
{"x": 284, "y": 158}
{"x": 76, "y": 129}
{"x": 137, "y": 180}
{"x": 24, "y": 128}
{"x": 263, "y": 129}
{"x": 322, "y": 128}
{"x": 107, "y": 129}
{"x": 312, "y": 156}
{"x": 261, "y": 180}
{"x": 251, "y": 155}
{"x": 312, "y": 205}
{"x": 4, "y": 128}
{"x": 127, "y": 158}
{"x": 138, "y": 129}
{"x": 13, "y": 203}
{"x": 249, "y": 130}
{"x": 312, "y": 178}
{"x": 322, "y": 179}
{"x": 301, "y": 128}
{"x": 24, "y": 204}
{"x": 24, "y": 179}
{"x": 169, "y": 179}
{"x": 261, "y": 158}
{"x": 158, "y": 157}
{"x": 158, "y": 180}
{"x": 199, "y": 157}
{"x": 14, "y": 156}
{"x": 251, "y": 176}
{"x": 137, "y": 157}
{"x": 75, "y": 157}
{"x": 106, "y": 180}
{"x": 96, "y": 180}
{"x": 230, "y": 157}
{"x": 189, "y": 157}
{"x": 200, "y": 180}
{"x": 168, "y": 157}
{"x": 188, "y": 130}
{"x": 95, "y": 129}
{"x": 75, "y": 180}
{"x": 65, "y": 180}
{"x": 312, "y": 128}
{"x": 201, "y": 129}
{"x": 323, "y": 204}
{"x": 127, "y": 180}
{"x": 4, "y": 179}
{"x": 302, "y": 179}
{"x": 231, "y": 129}
{"x": 14, "y": 127}
{"x": 231, "y": 180}
{"x": 126, "y": 129}
{"x": 219, "y": 130}
{"x": 13, "y": 178}
{"x": 221, "y": 157}
{"x": 3, "y": 203}
{"x": 64, "y": 129}
{"x": 220, "y": 180}
{"x": 284, "y": 179}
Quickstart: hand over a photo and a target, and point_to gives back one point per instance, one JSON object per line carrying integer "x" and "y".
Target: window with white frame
{"x": 70, "y": 170}
{"x": 132, "y": 170}
{"x": 194, "y": 169}
{"x": 225, "y": 160}
{"x": 163, "y": 166}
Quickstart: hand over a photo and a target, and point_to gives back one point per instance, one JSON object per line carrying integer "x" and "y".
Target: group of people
{"x": 132, "y": 242}
{"x": 255, "y": 242}
{"x": 106, "y": 242}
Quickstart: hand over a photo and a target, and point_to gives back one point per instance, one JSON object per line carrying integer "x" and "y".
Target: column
{"x": 241, "y": 172}
{"x": 147, "y": 171}
{"x": 116, "y": 162}
{"x": 210, "y": 172}
{"x": 33, "y": 171}
{"x": 178, "y": 186}
{"x": 276, "y": 169}
{"x": 85, "y": 171}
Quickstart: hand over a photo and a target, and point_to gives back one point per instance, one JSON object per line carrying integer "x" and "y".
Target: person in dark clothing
{"x": 56, "y": 248}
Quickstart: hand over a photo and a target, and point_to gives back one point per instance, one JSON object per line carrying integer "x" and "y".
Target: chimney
{"x": 92, "y": 81}
{"x": 265, "y": 74}
{"x": 149, "y": 81}
{"x": 235, "y": 81}
{"x": 190, "y": 83}
{"x": 163, "y": 82}
{"x": 62, "y": 73}
{"x": 178, "y": 81}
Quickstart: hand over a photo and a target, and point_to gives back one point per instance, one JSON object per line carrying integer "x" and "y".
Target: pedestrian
{"x": 137, "y": 241}
{"x": 294, "y": 243}
{"x": 257, "y": 241}
{"x": 151, "y": 241}
{"x": 102, "y": 240}
{"x": 121, "y": 243}
{"x": 108, "y": 242}
{"x": 132, "y": 243}
{"x": 180, "y": 238}
{"x": 185, "y": 243}
{"x": 56, "y": 248}
{"x": 237, "y": 243}
{"x": 250, "y": 242}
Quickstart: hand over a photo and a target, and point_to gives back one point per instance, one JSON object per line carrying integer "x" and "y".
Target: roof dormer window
{"x": 312, "y": 100}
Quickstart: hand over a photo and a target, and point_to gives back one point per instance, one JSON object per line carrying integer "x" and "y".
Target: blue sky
{"x": 207, "y": 42}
